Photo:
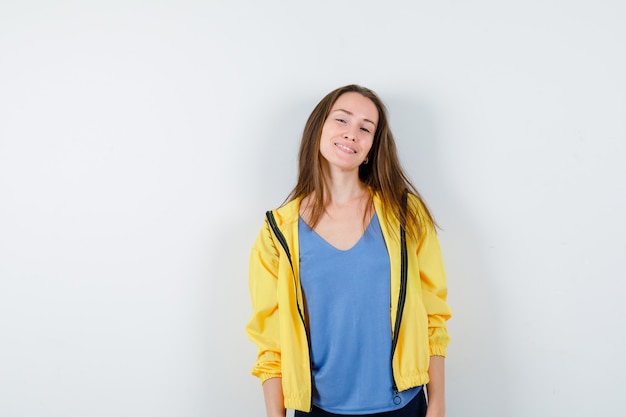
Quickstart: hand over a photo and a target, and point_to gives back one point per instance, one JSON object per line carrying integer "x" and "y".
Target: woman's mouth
{"x": 344, "y": 148}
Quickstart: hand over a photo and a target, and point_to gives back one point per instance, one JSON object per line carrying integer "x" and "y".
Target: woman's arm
{"x": 263, "y": 326}
{"x": 436, "y": 387}
{"x": 434, "y": 294}
{"x": 273, "y": 393}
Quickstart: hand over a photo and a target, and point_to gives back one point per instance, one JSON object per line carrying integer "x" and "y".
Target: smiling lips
{"x": 344, "y": 148}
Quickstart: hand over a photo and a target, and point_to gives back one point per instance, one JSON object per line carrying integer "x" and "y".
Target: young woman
{"x": 346, "y": 279}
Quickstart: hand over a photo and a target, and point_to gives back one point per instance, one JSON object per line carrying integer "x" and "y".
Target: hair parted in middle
{"x": 383, "y": 174}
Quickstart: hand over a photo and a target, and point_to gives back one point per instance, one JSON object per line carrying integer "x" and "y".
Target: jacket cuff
{"x": 267, "y": 366}
{"x": 437, "y": 350}
{"x": 265, "y": 376}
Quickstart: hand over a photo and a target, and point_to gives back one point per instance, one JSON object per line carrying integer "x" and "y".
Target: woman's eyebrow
{"x": 351, "y": 114}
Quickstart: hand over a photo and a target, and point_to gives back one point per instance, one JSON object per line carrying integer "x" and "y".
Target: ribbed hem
{"x": 300, "y": 402}
{"x": 412, "y": 380}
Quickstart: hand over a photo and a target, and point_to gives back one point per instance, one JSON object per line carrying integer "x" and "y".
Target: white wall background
{"x": 141, "y": 143}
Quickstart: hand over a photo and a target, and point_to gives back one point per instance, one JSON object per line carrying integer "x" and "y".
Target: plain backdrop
{"x": 142, "y": 141}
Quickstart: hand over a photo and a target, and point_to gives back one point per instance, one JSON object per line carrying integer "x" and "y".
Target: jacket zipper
{"x": 401, "y": 298}
{"x": 283, "y": 242}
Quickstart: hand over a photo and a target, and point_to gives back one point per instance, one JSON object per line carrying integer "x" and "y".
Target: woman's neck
{"x": 344, "y": 189}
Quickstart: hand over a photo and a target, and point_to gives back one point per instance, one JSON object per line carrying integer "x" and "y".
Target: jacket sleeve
{"x": 263, "y": 326}
{"x": 434, "y": 291}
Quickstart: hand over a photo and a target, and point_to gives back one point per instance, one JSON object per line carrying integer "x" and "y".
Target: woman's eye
{"x": 340, "y": 120}
{"x": 366, "y": 130}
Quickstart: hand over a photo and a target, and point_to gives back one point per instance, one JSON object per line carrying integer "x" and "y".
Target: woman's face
{"x": 348, "y": 132}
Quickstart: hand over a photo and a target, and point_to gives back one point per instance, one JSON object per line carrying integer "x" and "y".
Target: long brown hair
{"x": 383, "y": 174}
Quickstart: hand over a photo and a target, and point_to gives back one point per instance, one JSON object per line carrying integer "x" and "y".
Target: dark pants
{"x": 414, "y": 408}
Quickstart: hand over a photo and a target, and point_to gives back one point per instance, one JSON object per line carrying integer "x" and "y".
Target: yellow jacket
{"x": 278, "y": 322}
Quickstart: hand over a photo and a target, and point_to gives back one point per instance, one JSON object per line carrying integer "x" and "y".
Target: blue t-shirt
{"x": 347, "y": 294}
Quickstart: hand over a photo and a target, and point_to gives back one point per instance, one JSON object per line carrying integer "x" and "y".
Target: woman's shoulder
{"x": 288, "y": 212}
{"x": 420, "y": 219}
{"x": 413, "y": 201}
